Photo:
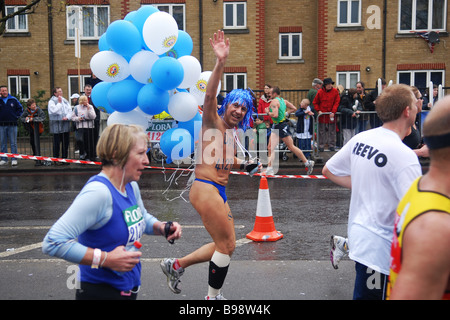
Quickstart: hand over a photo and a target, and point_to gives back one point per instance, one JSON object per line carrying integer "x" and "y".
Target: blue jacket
{"x": 10, "y": 111}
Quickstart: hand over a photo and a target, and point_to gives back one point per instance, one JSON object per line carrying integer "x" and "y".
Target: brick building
{"x": 283, "y": 42}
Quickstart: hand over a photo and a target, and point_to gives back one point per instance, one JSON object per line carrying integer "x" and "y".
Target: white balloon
{"x": 141, "y": 66}
{"x": 192, "y": 71}
{"x": 135, "y": 116}
{"x": 198, "y": 90}
{"x": 183, "y": 106}
{"x": 160, "y": 32}
{"x": 110, "y": 66}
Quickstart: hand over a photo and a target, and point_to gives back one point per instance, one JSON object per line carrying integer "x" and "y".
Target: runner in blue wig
{"x": 241, "y": 97}
{"x": 215, "y": 159}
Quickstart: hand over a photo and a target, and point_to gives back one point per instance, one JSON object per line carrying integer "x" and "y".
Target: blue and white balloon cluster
{"x": 146, "y": 66}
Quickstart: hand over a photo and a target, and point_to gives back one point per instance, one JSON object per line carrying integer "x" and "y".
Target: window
{"x": 18, "y": 23}
{"x": 74, "y": 83}
{"x": 92, "y": 21}
{"x": 290, "y": 46}
{"x": 235, "y": 81}
{"x": 19, "y": 86}
{"x": 235, "y": 15}
{"x": 176, "y": 10}
{"x": 348, "y": 79}
{"x": 422, "y": 15}
{"x": 421, "y": 78}
{"x": 349, "y": 13}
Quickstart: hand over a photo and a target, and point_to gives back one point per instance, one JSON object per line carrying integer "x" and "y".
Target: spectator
{"x": 327, "y": 101}
{"x": 262, "y": 133}
{"x": 59, "y": 113}
{"x": 364, "y": 118}
{"x": 305, "y": 127}
{"x": 316, "y": 86}
{"x": 264, "y": 102}
{"x": 369, "y": 105}
{"x": 378, "y": 168}
{"x": 10, "y": 111}
{"x": 350, "y": 110}
{"x": 33, "y": 118}
{"x": 427, "y": 103}
{"x": 83, "y": 116}
{"x": 96, "y": 131}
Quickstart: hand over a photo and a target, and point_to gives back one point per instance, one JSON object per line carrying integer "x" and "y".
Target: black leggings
{"x": 102, "y": 291}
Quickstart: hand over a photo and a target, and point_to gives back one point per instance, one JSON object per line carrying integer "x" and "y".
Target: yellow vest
{"x": 413, "y": 204}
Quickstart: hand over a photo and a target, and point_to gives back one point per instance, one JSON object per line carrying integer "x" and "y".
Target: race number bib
{"x": 135, "y": 223}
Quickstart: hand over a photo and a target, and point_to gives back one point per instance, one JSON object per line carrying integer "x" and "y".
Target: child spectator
{"x": 305, "y": 127}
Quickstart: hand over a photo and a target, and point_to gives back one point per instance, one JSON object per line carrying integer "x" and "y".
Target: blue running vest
{"x": 125, "y": 226}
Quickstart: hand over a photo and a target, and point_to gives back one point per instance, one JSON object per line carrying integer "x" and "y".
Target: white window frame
{"x": 349, "y": 23}
{"x": 413, "y": 74}
{"x": 348, "y": 74}
{"x": 15, "y": 20}
{"x": 71, "y": 23}
{"x": 84, "y": 80}
{"x": 171, "y": 7}
{"x": 280, "y": 47}
{"x": 235, "y": 80}
{"x": 18, "y": 87}
{"x": 414, "y": 17}
{"x": 235, "y": 14}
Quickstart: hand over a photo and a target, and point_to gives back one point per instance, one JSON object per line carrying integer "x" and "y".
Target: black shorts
{"x": 283, "y": 129}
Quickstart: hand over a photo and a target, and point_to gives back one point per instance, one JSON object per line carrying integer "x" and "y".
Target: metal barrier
{"x": 366, "y": 121}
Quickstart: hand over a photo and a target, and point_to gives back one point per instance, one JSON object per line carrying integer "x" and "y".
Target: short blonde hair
{"x": 83, "y": 98}
{"x": 116, "y": 142}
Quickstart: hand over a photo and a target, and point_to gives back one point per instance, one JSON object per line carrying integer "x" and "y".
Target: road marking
{"x": 48, "y": 227}
{"x": 13, "y": 251}
{"x": 20, "y": 250}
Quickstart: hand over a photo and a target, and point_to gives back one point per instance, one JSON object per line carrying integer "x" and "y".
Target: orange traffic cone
{"x": 264, "y": 229}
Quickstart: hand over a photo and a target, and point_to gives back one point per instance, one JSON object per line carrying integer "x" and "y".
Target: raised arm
{"x": 221, "y": 48}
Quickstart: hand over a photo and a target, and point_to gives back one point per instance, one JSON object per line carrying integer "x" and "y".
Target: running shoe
{"x": 339, "y": 249}
{"x": 173, "y": 276}
{"x": 269, "y": 171}
{"x": 218, "y": 297}
{"x": 309, "y": 166}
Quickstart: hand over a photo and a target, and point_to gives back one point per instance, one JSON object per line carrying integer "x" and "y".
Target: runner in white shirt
{"x": 379, "y": 169}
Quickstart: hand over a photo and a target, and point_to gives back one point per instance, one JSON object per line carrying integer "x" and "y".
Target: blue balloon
{"x": 183, "y": 46}
{"x": 153, "y": 100}
{"x": 99, "y": 96}
{"x": 176, "y": 144}
{"x": 141, "y": 16}
{"x": 122, "y": 96}
{"x": 124, "y": 38}
{"x": 167, "y": 73}
{"x": 103, "y": 44}
{"x": 139, "y": 19}
{"x": 193, "y": 126}
{"x": 130, "y": 16}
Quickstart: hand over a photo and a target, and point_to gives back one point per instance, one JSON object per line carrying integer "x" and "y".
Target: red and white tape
{"x": 284, "y": 176}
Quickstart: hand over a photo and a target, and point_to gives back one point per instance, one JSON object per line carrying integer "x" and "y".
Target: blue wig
{"x": 243, "y": 97}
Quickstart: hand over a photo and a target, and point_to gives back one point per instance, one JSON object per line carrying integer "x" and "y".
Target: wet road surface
{"x": 306, "y": 212}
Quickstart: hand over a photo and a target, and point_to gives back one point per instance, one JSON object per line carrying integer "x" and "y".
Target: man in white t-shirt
{"x": 379, "y": 169}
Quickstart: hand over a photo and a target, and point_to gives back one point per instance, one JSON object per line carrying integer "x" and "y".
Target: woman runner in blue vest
{"x": 107, "y": 218}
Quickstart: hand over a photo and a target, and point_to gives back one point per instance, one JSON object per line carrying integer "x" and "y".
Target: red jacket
{"x": 262, "y": 105}
{"x": 326, "y": 101}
